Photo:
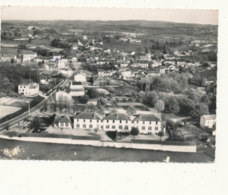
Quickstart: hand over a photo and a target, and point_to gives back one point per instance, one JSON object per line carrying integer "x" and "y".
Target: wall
{"x": 172, "y": 148}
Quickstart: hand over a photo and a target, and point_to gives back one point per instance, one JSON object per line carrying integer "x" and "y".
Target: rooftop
{"x": 64, "y": 119}
{"x": 209, "y": 117}
{"x": 117, "y": 116}
{"x": 87, "y": 115}
{"x": 146, "y": 117}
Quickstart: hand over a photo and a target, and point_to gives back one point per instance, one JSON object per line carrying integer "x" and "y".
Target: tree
{"x": 151, "y": 98}
{"x": 186, "y": 105}
{"x": 35, "y": 125}
{"x": 172, "y": 105}
{"x": 134, "y": 131}
{"x": 160, "y": 105}
{"x": 199, "y": 110}
{"x": 193, "y": 95}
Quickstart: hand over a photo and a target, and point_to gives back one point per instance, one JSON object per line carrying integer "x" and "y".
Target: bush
{"x": 134, "y": 131}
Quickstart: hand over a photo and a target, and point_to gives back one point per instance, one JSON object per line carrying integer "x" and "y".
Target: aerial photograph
{"x": 108, "y": 84}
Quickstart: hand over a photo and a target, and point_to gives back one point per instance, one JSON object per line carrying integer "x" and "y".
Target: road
{"x": 24, "y": 115}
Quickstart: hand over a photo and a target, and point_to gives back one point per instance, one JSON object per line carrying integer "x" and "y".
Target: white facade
{"x": 62, "y": 63}
{"x": 127, "y": 75}
{"x": 29, "y": 57}
{"x": 119, "y": 122}
{"x": 30, "y": 89}
{"x": 208, "y": 121}
{"x": 76, "y": 89}
{"x": 62, "y": 96}
{"x": 80, "y": 78}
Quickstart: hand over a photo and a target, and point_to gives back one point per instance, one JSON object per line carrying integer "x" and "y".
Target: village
{"x": 138, "y": 91}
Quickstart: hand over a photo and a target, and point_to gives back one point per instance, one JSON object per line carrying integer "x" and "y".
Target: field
{"x": 6, "y": 110}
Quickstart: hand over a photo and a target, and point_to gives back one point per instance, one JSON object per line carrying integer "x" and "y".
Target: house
{"x": 143, "y": 64}
{"x": 8, "y": 54}
{"x": 93, "y": 101}
{"x": 80, "y": 77}
{"x": 119, "y": 122}
{"x": 87, "y": 120}
{"x": 63, "y": 122}
{"x": 126, "y": 75}
{"x": 62, "y": 95}
{"x": 147, "y": 124}
{"x": 68, "y": 72}
{"x": 76, "y": 89}
{"x": 105, "y": 73}
{"x": 62, "y": 63}
{"x": 30, "y": 89}
{"x": 27, "y": 55}
{"x": 208, "y": 121}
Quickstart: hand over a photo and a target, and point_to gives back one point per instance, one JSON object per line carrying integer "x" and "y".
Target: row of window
{"x": 113, "y": 121}
{"x": 114, "y": 127}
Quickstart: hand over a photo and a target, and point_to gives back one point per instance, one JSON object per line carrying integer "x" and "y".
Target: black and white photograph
{"x": 108, "y": 84}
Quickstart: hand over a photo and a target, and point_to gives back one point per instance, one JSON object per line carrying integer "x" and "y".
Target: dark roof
{"x": 64, "y": 119}
{"x": 23, "y": 51}
{"x": 146, "y": 117}
{"x": 9, "y": 50}
{"x": 116, "y": 116}
{"x": 87, "y": 115}
{"x": 76, "y": 83}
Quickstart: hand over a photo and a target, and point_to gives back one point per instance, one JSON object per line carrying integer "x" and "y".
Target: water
{"x": 49, "y": 151}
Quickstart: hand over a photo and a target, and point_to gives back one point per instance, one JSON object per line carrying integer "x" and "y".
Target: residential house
{"x": 87, "y": 120}
{"x": 28, "y": 89}
{"x": 27, "y": 55}
{"x": 127, "y": 75}
{"x": 208, "y": 121}
{"x": 119, "y": 122}
{"x": 147, "y": 124}
{"x": 80, "y": 77}
{"x": 63, "y": 95}
{"x": 105, "y": 73}
{"x": 63, "y": 122}
{"x": 76, "y": 89}
{"x": 8, "y": 54}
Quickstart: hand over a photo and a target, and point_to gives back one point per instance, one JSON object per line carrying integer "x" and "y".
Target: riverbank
{"x": 100, "y": 143}
{"x": 52, "y": 151}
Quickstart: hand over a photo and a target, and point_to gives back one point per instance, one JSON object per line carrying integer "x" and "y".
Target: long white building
{"x": 120, "y": 122}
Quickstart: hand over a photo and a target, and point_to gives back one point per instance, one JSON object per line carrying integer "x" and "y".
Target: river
{"x": 51, "y": 151}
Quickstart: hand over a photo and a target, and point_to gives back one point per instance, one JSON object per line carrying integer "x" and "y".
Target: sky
{"x": 73, "y": 13}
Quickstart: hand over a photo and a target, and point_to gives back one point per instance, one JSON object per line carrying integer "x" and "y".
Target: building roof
{"x": 116, "y": 116}
{"x": 146, "y": 117}
{"x": 76, "y": 83}
{"x": 9, "y": 50}
{"x": 64, "y": 119}
{"x": 87, "y": 115}
{"x": 209, "y": 117}
{"x": 24, "y": 51}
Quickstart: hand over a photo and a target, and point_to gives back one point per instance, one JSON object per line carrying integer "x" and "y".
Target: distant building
{"x": 27, "y": 55}
{"x": 80, "y": 77}
{"x": 62, "y": 96}
{"x": 208, "y": 121}
{"x": 30, "y": 89}
{"x": 7, "y": 54}
{"x": 76, "y": 89}
{"x": 105, "y": 73}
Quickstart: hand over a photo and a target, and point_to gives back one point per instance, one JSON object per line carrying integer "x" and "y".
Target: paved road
{"x": 26, "y": 114}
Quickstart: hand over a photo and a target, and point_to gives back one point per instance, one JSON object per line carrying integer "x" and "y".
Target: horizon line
{"x": 165, "y": 21}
